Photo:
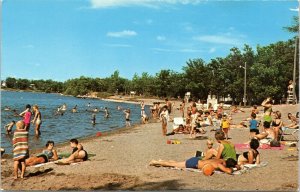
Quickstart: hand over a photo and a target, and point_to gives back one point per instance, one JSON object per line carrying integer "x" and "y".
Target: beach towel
{"x": 20, "y": 145}
{"x": 245, "y": 169}
{"x": 262, "y": 146}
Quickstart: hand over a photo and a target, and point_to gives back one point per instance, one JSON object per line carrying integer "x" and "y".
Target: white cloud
{"x": 212, "y": 50}
{"x": 177, "y": 50}
{"x": 297, "y": 9}
{"x": 146, "y": 3}
{"x": 219, "y": 39}
{"x": 125, "y": 33}
{"x": 118, "y": 45}
{"x": 29, "y": 46}
{"x": 160, "y": 38}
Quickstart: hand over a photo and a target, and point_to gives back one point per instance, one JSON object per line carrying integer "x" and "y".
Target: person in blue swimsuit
{"x": 48, "y": 154}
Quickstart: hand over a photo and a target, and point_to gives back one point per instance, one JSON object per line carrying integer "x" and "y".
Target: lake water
{"x": 70, "y": 125}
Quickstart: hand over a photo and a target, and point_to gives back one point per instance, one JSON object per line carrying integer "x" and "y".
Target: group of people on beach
{"x": 264, "y": 128}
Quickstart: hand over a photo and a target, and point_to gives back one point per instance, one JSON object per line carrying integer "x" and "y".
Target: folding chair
{"x": 289, "y": 132}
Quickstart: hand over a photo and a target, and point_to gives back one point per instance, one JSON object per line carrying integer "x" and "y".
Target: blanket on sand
{"x": 245, "y": 168}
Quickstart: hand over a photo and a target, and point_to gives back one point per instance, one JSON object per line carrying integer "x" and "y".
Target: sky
{"x": 64, "y": 39}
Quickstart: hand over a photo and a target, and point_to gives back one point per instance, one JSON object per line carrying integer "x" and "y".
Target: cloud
{"x": 212, "y": 50}
{"x": 98, "y": 4}
{"x": 160, "y": 38}
{"x": 29, "y": 46}
{"x": 219, "y": 39}
{"x": 297, "y": 9}
{"x": 125, "y": 33}
{"x": 118, "y": 45}
{"x": 177, "y": 50}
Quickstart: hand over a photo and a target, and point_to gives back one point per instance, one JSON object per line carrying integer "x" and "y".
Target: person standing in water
{"x": 127, "y": 117}
{"x": 106, "y": 115}
{"x": 26, "y": 116}
{"x": 37, "y": 120}
{"x": 93, "y": 118}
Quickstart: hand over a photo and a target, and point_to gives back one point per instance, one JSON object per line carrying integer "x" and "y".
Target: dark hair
{"x": 289, "y": 114}
{"x": 267, "y": 124}
{"x": 254, "y": 144}
{"x": 13, "y": 121}
{"x": 230, "y": 163}
{"x": 49, "y": 142}
{"x": 219, "y": 135}
{"x": 297, "y": 114}
{"x": 28, "y": 106}
{"x": 253, "y": 115}
{"x": 255, "y": 106}
{"x": 74, "y": 141}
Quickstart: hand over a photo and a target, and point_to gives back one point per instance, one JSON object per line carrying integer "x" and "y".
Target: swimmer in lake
{"x": 93, "y": 118}
{"x": 106, "y": 115}
{"x": 9, "y": 127}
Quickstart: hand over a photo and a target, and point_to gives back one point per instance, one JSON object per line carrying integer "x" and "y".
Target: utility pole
{"x": 245, "y": 83}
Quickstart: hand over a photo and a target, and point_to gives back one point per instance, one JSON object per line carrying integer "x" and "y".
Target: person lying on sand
{"x": 252, "y": 156}
{"x": 48, "y": 154}
{"x": 78, "y": 153}
{"x": 194, "y": 162}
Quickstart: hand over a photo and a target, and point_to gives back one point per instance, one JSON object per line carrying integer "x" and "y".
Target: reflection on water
{"x": 61, "y": 128}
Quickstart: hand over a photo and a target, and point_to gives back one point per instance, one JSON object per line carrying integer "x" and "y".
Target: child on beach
{"x": 164, "y": 116}
{"x": 27, "y": 116}
{"x": 9, "y": 127}
{"x": 209, "y": 153}
{"x": 225, "y": 125}
{"x": 20, "y": 148}
{"x": 253, "y": 126}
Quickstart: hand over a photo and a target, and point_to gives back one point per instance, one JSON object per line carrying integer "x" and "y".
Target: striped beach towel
{"x": 20, "y": 144}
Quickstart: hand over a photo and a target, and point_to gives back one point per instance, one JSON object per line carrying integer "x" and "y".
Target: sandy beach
{"x": 122, "y": 158}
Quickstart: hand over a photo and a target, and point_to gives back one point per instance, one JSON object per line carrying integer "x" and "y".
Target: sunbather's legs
{"x": 34, "y": 161}
{"x": 168, "y": 163}
{"x": 77, "y": 156}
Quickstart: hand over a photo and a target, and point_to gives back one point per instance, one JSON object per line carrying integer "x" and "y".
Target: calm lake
{"x": 61, "y": 128}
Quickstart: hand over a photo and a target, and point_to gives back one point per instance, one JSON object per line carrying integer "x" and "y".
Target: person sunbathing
{"x": 48, "y": 154}
{"x": 78, "y": 153}
{"x": 195, "y": 163}
{"x": 252, "y": 156}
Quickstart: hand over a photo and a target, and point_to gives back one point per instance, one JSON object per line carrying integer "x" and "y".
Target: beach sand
{"x": 122, "y": 158}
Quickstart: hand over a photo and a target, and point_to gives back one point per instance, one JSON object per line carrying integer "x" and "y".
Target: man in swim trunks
{"x": 194, "y": 162}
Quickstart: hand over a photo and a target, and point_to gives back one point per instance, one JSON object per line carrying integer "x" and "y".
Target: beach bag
{"x": 274, "y": 143}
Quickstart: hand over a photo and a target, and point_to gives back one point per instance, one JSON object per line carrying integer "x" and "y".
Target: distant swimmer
{"x": 64, "y": 107}
{"x": 9, "y": 127}
{"x": 93, "y": 118}
{"x": 74, "y": 110}
{"x": 96, "y": 110}
{"x": 119, "y": 108}
{"x": 106, "y": 115}
{"x": 89, "y": 104}
{"x": 6, "y": 108}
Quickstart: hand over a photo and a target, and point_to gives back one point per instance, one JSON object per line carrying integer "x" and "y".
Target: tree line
{"x": 269, "y": 69}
